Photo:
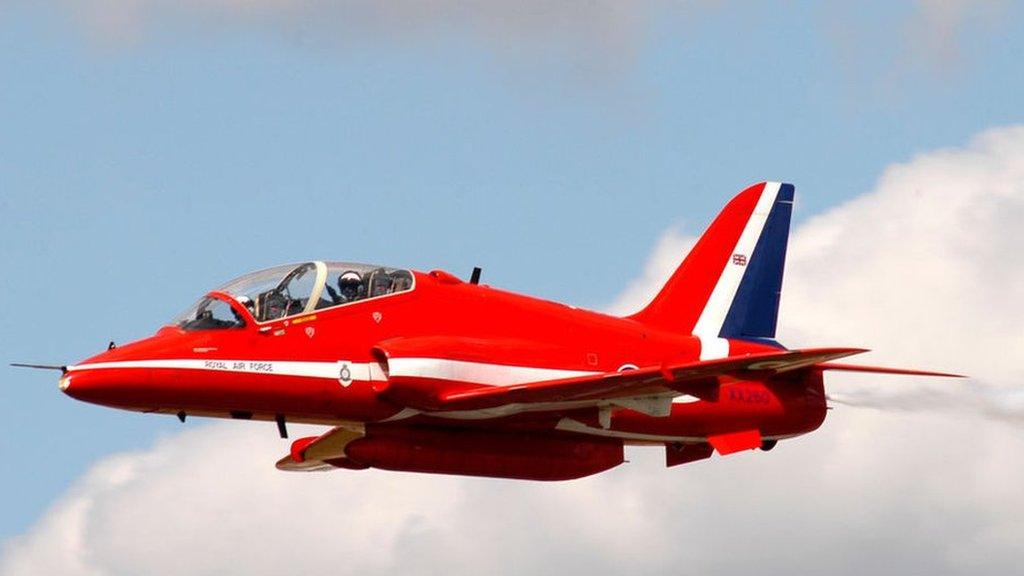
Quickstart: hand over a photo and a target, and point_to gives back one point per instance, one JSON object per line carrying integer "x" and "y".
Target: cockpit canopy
{"x": 292, "y": 289}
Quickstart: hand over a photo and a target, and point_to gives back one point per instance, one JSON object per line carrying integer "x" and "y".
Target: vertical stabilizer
{"x": 730, "y": 283}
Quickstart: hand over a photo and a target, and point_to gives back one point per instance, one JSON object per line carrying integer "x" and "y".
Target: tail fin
{"x": 729, "y": 284}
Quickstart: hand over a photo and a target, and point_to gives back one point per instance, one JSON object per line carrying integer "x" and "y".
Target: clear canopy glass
{"x": 292, "y": 289}
{"x": 210, "y": 314}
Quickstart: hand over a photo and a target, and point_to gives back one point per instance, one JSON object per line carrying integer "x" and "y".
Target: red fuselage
{"x": 242, "y": 372}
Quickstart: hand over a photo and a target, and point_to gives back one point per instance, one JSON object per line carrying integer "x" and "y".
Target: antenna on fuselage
{"x": 475, "y": 277}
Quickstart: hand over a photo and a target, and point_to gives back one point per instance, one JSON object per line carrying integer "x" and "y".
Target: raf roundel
{"x": 345, "y": 374}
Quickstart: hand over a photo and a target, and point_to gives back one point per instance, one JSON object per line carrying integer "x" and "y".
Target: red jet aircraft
{"x": 425, "y": 372}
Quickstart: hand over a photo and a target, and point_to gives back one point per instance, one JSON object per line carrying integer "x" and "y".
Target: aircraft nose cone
{"x": 88, "y": 386}
{"x": 109, "y": 387}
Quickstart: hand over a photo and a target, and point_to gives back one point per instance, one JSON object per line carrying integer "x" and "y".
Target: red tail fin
{"x": 729, "y": 284}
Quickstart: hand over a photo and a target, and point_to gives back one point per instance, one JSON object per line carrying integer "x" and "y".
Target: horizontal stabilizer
{"x": 884, "y": 370}
{"x": 770, "y": 362}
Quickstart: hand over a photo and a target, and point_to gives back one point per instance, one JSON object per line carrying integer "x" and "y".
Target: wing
{"x": 630, "y": 388}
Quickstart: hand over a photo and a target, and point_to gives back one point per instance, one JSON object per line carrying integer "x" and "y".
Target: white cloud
{"x": 924, "y": 268}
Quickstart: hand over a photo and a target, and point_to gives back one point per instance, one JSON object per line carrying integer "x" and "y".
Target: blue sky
{"x": 139, "y": 169}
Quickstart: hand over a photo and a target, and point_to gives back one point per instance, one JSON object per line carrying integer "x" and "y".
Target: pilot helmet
{"x": 350, "y": 284}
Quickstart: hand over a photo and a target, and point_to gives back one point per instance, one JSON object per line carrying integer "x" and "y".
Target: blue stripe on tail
{"x": 755, "y": 308}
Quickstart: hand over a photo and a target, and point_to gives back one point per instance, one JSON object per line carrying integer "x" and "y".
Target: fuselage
{"x": 331, "y": 366}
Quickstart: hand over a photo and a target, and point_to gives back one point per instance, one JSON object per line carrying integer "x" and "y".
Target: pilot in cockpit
{"x": 381, "y": 283}
{"x": 350, "y": 288}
